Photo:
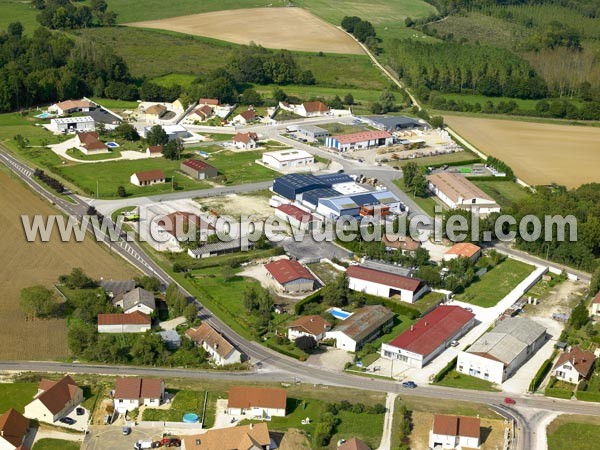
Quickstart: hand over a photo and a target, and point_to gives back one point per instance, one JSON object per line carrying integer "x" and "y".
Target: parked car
{"x": 170, "y": 442}
{"x": 67, "y": 420}
{"x": 80, "y": 411}
{"x": 509, "y": 401}
{"x": 469, "y": 309}
{"x": 126, "y": 431}
{"x": 454, "y": 343}
{"x": 409, "y": 385}
{"x": 340, "y": 171}
{"x": 396, "y": 168}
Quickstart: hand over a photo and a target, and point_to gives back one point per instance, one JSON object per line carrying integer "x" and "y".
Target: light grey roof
{"x": 312, "y": 129}
{"x": 218, "y": 247}
{"x": 117, "y": 287}
{"x": 508, "y": 339}
{"x": 365, "y": 321}
{"x": 170, "y": 336}
{"x": 137, "y": 297}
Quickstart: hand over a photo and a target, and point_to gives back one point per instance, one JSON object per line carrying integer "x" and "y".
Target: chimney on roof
{"x": 412, "y": 328}
{"x": 426, "y": 323}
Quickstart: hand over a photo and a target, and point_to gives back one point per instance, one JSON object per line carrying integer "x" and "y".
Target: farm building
{"x": 296, "y": 217}
{"x": 148, "y": 177}
{"x": 449, "y": 432}
{"x": 155, "y": 112}
{"x": 312, "y": 132}
{"x": 136, "y": 322}
{"x": 220, "y": 349}
{"x": 595, "y": 308}
{"x": 243, "y": 437}
{"x": 72, "y": 124}
{"x": 245, "y": 117}
{"x": 256, "y": 401}
{"x": 393, "y": 123}
{"x": 429, "y": 336}
{"x": 54, "y": 400}
{"x": 245, "y": 141}
{"x": 171, "y": 338}
{"x": 288, "y": 159}
{"x": 375, "y": 203}
{"x": 218, "y": 248}
{"x": 385, "y": 284}
{"x": 71, "y": 106}
{"x": 132, "y": 392}
{"x": 198, "y": 170}
{"x": 291, "y": 276}
{"x": 359, "y": 141}
{"x": 574, "y": 365}
{"x": 154, "y": 151}
{"x": 89, "y": 143}
{"x": 497, "y": 354}
{"x": 458, "y": 192}
{"x": 313, "y": 326}
{"x": 404, "y": 244}
{"x": 360, "y": 328}
{"x": 13, "y": 430}
{"x": 137, "y": 299}
{"x": 464, "y": 250}
{"x": 180, "y": 226}
{"x": 114, "y": 288}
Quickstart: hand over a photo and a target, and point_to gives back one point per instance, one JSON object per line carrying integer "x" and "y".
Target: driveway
{"x": 308, "y": 250}
{"x": 330, "y": 358}
{"x": 111, "y": 438}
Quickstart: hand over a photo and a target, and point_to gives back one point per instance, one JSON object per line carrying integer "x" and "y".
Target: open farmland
{"x": 245, "y": 26}
{"x": 25, "y": 264}
{"x": 539, "y": 153}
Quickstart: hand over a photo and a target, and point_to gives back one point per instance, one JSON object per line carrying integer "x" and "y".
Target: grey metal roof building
{"x": 292, "y": 185}
{"x": 393, "y": 123}
{"x": 115, "y": 288}
{"x": 217, "y": 248}
{"x": 135, "y": 299}
{"x": 365, "y": 322}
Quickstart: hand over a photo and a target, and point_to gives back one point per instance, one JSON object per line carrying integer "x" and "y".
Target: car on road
{"x": 454, "y": 344}
{"x": 396, "y": 168}
{"x": 80, "y": 411}
{"x": 509, "y": 401}
{"x": 409, "y": 385}
{"x": 126, "y": 431}
{"x": 67, "y": 420}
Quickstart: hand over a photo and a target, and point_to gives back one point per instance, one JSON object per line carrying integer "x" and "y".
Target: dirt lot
{"x": 290, "y": 28}
{"x": 539, "y": 153}
{"x": 235, "y": 205}
{"x": 25, "y": 264}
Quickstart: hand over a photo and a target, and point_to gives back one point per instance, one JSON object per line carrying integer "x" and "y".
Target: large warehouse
{"x": 72, "y": 124}
{"x": 429, "y": 336}
{"x": 359, "y": 141}
{"x": 393, "y": 123}
{"x": 288, "y": 159}
{"x": 497, "y": 355}
{"x": 291, "y": 276}
{"x": 385, "y": 284}
{"x": 293, "y": 185}
{"x": 368, "y": 203}
{"x": 458, "y": 192}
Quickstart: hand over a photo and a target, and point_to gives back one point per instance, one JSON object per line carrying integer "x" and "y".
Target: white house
{"x": 306, "y": 109}
{"x": 385, "y": 284}
{"x": 220, "y": 349}
{"x": 457, "y": 192}
{"x": 359, "y": 141}
{"x": 363, "y": 326}
{"x": 256, "y": 401}
{"x": 313, "y": 326}
{"x": 154, "y": 151}
{"x": 595, "y": 308}
{"x": 137, "y": 299}
{"x": 148, "y": 177}
{"x": 13, "y": 430}
{"x": 136, "y": 322}
{"x": 54, "y": 400}
{"x": 200, "y": 114}
{"x": 72, "y": 124}
{"x": 288, "y": 159}
{"x": 452, "y": 432}
{"x": 71, "y": 106}
{"x": 497, "y": 354}
{"x": 245, "y": 141}
{"x": 132, "y": 392}
{"x": 574, "y": 365}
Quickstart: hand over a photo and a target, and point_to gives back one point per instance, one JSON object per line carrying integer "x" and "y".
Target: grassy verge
{"x": 16, "y": 395}
{"x": 55, "y": 444}
{"x": 427, "y": 204}
{"x": 460, "y": 380}
{"x": 569, "y": 431}
{"x": 506, "y": 193}
{"x": 450, "y": 158}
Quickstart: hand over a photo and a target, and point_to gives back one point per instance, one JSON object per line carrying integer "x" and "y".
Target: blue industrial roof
{"x": 335, "y": 178}
{"x": 313, "y": 196}
{"x": 344, "y": 202}
{"x": 299, "y": 180}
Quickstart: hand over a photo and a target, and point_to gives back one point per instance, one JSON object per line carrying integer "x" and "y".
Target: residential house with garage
{"x": 13, "y": 430}
{"x": 148, "y": 177}
{"x": 89, "y": 143}
{"x": 243, "y": 437}
{"x": 245, "y": 117}
{"x": 256, "y": 402}
{"x": 221, "y": 351}
{"x": 138, "y": 299}
{"x": 245, "y": 141}
{"x": 313, "y": 326}
{"x": 132, "y": 392}
{"x": 575, "y": 365}
{"x": 71, "y": 106}
{"x": 454, "y": 432}
{"x": 361, "y": 327}
{"x": 54, "y": 400}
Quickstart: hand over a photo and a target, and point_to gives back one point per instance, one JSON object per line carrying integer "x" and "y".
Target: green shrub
{"x": 541, "y": 374}
{"x": 445, "y": 371}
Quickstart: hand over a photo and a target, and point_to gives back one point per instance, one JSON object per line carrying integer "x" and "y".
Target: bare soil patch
{"x": 28, "y": 263}
{"x": 539, "y": 153}
{"x": 289, "y": 28}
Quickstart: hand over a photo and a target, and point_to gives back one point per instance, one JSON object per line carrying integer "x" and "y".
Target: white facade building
{"x": 455, "y": 432}
{"x": 72, "y": 124}
{"x": 256, "y": 401}
{"x": 132, "y": 392}
{"x": 384, "y": 284}
{"x": 220, "y": 349}
{"x": 288, "y": 159}
{"x": 457, "y": 192}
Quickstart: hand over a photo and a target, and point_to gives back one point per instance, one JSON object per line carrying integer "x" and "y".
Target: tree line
{"x": 362, "y": 30}
{"x": 64, "y": 14}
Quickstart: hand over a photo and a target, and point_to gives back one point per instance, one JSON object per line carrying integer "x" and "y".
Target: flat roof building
{"x": 393, "y": 123}
{"x": 288, "y": 159}
{"x": 312, "y": 132}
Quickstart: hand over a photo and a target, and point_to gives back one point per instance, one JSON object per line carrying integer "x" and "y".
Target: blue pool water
{"x": 339, "y": 313}
{"x": 112, "y": 144}
{"x": 44, "y": 115}
{"x": 190, "y": 418}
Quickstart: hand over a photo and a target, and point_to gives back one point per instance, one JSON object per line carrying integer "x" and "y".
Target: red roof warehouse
{"x": 291, "y": 275}
{"x": 429, "y": 336}
{"x": 385, "y": 284}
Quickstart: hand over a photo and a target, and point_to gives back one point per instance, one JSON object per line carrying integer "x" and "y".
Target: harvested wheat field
{"x": 539, "y": 153}
{"x": 289, "y": 28}
{"x": 25, "y": 264}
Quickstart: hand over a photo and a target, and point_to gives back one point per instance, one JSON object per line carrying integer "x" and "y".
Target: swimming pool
{"x": 112, "y": 144}
{"x": 44, "y": 115}
{"x": 339, "y": 313}
{"x": 190, "y": 418}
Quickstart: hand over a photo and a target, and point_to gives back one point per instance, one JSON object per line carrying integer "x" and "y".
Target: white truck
{"x": 140, "y": 445}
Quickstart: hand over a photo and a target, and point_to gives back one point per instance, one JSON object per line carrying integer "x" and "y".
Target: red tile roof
{"x": 432, "y": 330}
{"x": 465, "y": 249}
{"x": 456, "y": 426}
{"x": 245, "y": 137}
{"x": 135, "y": 318}
{"x": 13, "y": 427}
{"x": 361, "y": 137}
{"x": 90, "y": 141}
{"x": 132, "y": 388}
{"x": 150, "y": 175}
{"x": 247, "y": 397}
{"x": 315, "y": 107}
{"x": 197, "y": 164}
{"x": 388, "y": 279}
{"x": 581, "y": 360}
{"x": 179, "y": 222}
{"x": 249, "y": 114}
{"x": 295, "y": 212}
{"x": 314, "y": 325}
{"x": 596, "y": 298}
{"x": 286, "y": 270}
{"x": 155, "y": 148}
{"x": 209, "y": 101}
{"x": 354, "y": 444}
{"x": 56, "y": 395}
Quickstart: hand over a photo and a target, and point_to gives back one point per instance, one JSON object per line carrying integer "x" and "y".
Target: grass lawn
{"x": 239, "y": 167}
{"x": 436, "y": 160}
{"x": 56, "y": 444}
{"x": 462, "y": 381}
{"x": 505, "y": 193}
{"x": 175, "y": 79}
{"x": 115, "y": 105}
{"x": 78, "y": 154}
{"x": 326, "y": 272}
{"x": 184, "y": 402}
{"x": 428, "y": 301}
{"x": 16, "y": 395}
{"x": 580, "y": 436}
{"x": 496, "y": 284}
{"x": 427, "y": 204}
{"x": 14, "y": 10}
{"x": 341, "y": 128}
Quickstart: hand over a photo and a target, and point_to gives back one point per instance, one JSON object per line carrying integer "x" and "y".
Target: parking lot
{"x": 111, "y": 438}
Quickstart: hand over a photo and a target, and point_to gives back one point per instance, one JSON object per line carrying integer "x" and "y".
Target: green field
{"x": 496, "y": 284}
{"x": 56, "y": 444}
{"x": 462, "y": 381}
{"x": 14, "y": 10}
{"x": 523, "y": 104}
{"x": 505, "y": 193}
{"x": 580, "y": 436}
{"x": 115, "y": 105}
{"x": 436, "y": 160}
{"x": 16, "y": 395}
{"x": 175, "y": 79}
{"x": 186, "y": 402}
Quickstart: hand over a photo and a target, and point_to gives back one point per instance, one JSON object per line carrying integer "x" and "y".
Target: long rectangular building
{"x": 359, "y": 141}
{"x": 385, "y": 284}
{"x": 459, "y": 193}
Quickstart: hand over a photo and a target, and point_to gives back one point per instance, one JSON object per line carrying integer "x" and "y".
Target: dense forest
{"x": 588, "y": 8}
